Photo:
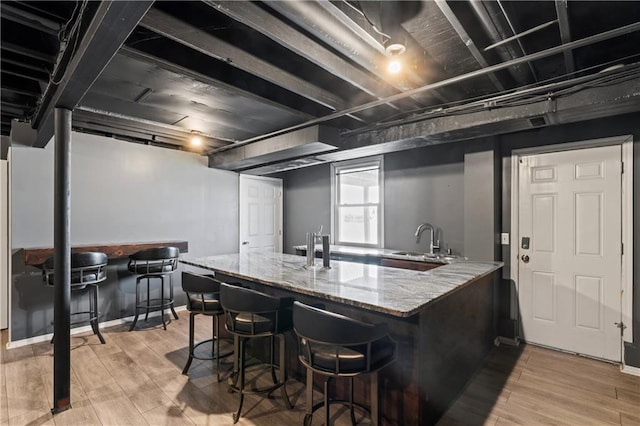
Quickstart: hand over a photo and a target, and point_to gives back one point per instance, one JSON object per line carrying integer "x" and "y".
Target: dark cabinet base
{"x": 439, "y": 349}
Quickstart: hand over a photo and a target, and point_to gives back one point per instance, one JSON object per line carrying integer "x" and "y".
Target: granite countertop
{"x": 387, "y": 253}
{"x": 394, "y": 291}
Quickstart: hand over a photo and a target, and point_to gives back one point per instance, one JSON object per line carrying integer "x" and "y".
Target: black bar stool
{"x": 338, "y": 346}
{"x": 250, "y": 314}
{"x": 88, "y": 269}
{"x": 203, "y": 297}
{"x": 156, "y": 262}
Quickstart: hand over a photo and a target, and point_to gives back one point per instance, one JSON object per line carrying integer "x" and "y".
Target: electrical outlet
{"x": 504, "y": 238}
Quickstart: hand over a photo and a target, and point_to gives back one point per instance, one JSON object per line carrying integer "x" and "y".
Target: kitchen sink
{"x": 435, "y": 256}
{"x": 407, "y": 253}
{"x": 414, "y": 253}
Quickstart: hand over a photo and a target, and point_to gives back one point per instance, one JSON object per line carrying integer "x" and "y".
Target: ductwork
{"x": 304, "y": 142}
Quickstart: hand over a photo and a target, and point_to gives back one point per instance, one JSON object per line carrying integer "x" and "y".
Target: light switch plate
{"x": 504, "y": 238}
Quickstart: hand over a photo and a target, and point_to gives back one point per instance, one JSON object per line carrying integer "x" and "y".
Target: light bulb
{"x": 196, "y": 141}
{"x": 394, "y": 66}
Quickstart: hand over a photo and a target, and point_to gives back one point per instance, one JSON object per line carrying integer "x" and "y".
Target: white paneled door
{"x": 570, "y": 250}
{"x": 260, "y": 213}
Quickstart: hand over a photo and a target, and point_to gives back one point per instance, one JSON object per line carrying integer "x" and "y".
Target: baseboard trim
{"x": 83, "y": 329}
{"x": 634, "y": 371}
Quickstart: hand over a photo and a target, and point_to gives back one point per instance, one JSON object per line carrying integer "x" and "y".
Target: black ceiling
{"x": 233, "y": 72}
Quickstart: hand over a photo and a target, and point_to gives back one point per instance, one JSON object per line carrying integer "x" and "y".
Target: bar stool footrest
{"x": 222, "y": 355}
{"x": 157, "y": 304}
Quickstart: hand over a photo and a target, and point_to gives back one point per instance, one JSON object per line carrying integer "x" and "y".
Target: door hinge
{"x": 621, "y": 326}
{"x": 622, "y": 167}
{"x": 621, "y": 248}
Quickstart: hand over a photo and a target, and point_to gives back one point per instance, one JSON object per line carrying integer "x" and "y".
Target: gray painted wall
{"x": 424, "y": 185}
{"x": 306, "y": 205}
{"x": 120, "y": 192}
{"x": 421, "y": 185}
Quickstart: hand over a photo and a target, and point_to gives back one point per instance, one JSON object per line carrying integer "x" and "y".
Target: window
{"x": 357, "y": 193}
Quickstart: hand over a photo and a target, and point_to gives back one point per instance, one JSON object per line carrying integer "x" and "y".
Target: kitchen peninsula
{"x": 443, "y": 319}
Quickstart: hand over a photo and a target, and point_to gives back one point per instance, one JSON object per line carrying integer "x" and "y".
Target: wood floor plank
{"x": 579, "y": 394}
{"x": 135, "y": 378}
{"x": 150, "y": 399}
{"x": 627, "y": 420}
{"x": 627, "y": 395}
{"x": 119, "y": 411}
{"x": 167, "y": 414}
{"x": 127, "y": 373}
{"x": 82, "y": 413}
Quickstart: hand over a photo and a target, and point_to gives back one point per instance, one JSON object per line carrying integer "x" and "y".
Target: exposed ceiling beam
{"x": 258, "y": 19}
{"x": 16, "y": 111}
{"x": 35, "y": 54}
{"x": 517, "y": 36}
{"x": 20, "y": 91}
{"x": 29, "y": 75}
{"x": 29, "y": 19}
{"x": 134, "y": 127}
{"x": 496, "y": 34}
{"x": 565, "y": 34}
{"x": 190, "y": 73}
{"x": 616, "y": 32}
{"x": 466, "y": 39}
{"x": 107, "y": 31}
{"x": 330, "y": 24}
{"x": 184, "y": 33}
{"x": 40, "y": 69}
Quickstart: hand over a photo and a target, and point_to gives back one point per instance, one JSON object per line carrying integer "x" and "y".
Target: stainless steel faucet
{"x": 432, "y": 231}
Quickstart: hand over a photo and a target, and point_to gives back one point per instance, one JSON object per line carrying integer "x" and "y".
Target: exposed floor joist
{"x": 107, "y": 31}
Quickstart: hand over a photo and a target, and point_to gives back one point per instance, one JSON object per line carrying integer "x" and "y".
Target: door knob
{"x": 525, "y": 258}
{"x": 244, "y": 243}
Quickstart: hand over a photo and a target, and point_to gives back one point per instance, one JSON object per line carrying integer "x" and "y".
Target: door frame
{"x": 626, "y": 143}
{"x": 280, "y": 208}
{"x": 5, "y": 241}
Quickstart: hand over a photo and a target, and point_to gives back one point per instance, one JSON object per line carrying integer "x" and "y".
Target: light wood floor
{"x": 530, "y": 385}
{"x": 136, "y": 379}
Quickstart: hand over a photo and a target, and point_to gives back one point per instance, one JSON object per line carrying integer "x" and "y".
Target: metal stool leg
{"x": 326, "y": 402}
{"x": 162, "y": 299}
{"x": 271, "y": 359}
{"x": 309, "y": 413}
{"x": 175, "y": 316}
{"x": 236, "y": 416}
{"x": 94, "y": 313}
{"x": 353, "y": 416}
{"x": 216, "y": 341}
{"x": 283, "y": 371}
{"x": 374, "y": 399}
{"x": 135, "y": 318}
{"x": 146, "y": 315}
{"x": 191, "y": 339}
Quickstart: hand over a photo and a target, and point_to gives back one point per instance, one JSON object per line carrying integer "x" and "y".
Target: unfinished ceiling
{"x": 241, "y": 74}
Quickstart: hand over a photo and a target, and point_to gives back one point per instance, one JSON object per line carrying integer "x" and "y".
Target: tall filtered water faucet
{"x": 311, "y": 247}
{"x": 432, "y": 232}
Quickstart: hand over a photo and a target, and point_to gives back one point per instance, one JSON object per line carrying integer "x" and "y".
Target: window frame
{"x": 338, "y": 167}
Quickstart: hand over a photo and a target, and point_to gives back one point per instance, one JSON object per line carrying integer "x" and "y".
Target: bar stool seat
{"x": 250, "y": 314}
{"x": 156, "y": 262}
{"x": 88, "y": 269}
{"x": 203, "y": 298}
{"x": 334, "y": 345}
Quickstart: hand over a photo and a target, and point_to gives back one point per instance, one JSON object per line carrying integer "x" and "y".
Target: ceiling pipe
{"x": 496, "y": 34}
{"x": 513, "y": 30}
{"x": 483, "y": 71}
